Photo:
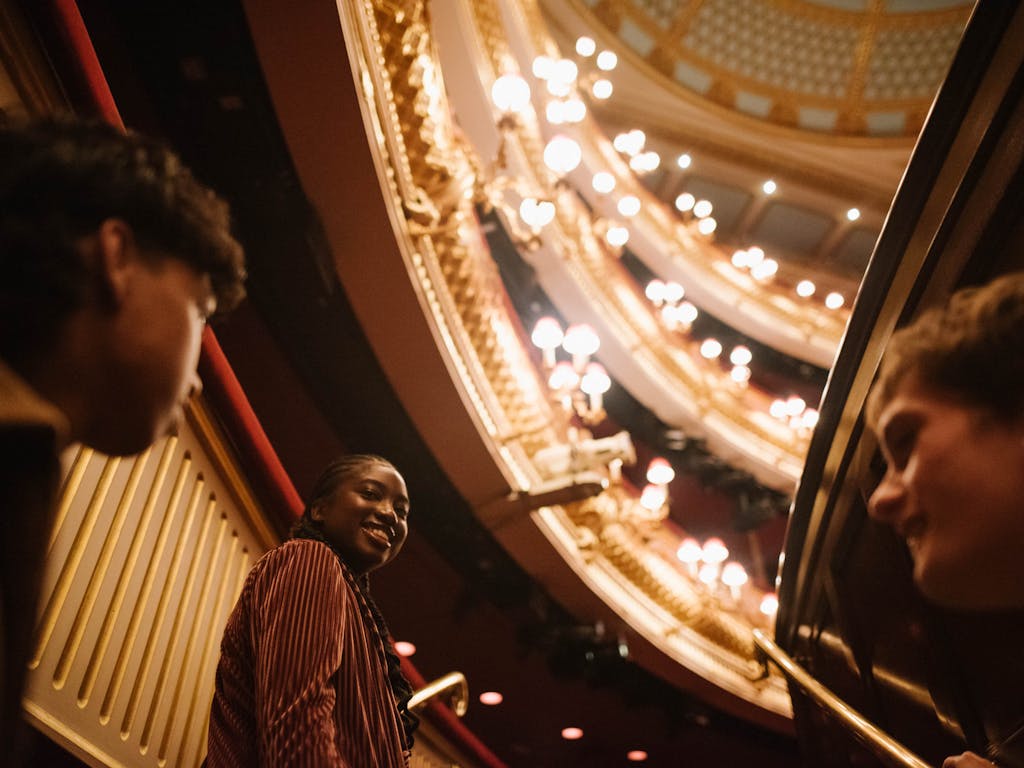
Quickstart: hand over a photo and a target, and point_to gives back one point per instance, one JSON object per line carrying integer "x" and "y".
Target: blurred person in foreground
{"x": 948, "y": 410}
{"x": 112, "y": 257}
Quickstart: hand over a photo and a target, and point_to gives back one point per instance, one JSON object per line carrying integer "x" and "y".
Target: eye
{"x": 369, "y": 492}
{"x": 899, "y": 441}
{"x": 402, "y": 511}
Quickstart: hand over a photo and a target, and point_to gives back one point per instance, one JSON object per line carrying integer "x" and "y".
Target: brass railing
{"x": 453, "y": 685}
{"x": 851, "y": 719}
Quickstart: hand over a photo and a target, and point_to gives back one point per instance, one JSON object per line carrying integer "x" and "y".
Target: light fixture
{"x": 653, "y": 497}
{"x": 740, "y": 374}
{"x": 617, "y": 236}
{"x": 690, "y": 553}
{"x": 603, "y": 182}
{"x": 543, "y": 67}
{"x": 404, "y": 648}
{"x": 769, "y": 187}
{"x": 547, "y": 336}
{"x": 684, "y": 160}
{"x": 734, "y": 576}
{"x": 740, "y": 259}
{"x": 573, "y": 110}
{"x": 805, "y": 288}
{"x": 572, "y": 733}
{"x": 563, "y": 377}
{"x": 607, "y": 61}
{"x": 710, "y": 349}
{"x": 674, "y": 292}
{"x": 594, "y": 384}
{"x": 562, "y": 154}
{"x": 565, "y": 70}
{"x": 660, "y": 472}
{"x": 510, "y": 93}
{"x": 740, "y": 356}
{"x": 685, "y": 202}
{"x": 755, "y": 256}
{"x": 585, "y": 46}
{"x": 765, "y": 269}
{"x": 834, "y": 300}
{"x": 707, "y": 225}
{"x": 636, "y": 756}
{"x": 629, "y": 205}
{"x": 702, "y": 208}
{"x": 580, "y": 341}
{"x": 853, "y": 214}
{"x": 769, "y": 604}
{"x": 491, "y": 698}
{"x": 536, "y": 213}
{"x": 602, "y": 88}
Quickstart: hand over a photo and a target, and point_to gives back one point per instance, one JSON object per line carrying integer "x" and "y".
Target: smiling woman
{"x": 307, "y": 674}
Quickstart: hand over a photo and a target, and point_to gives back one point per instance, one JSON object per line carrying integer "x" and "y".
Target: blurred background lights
{"x": 404, "y": 648}
{"x": 769, "y": 604}
{"x": 707, "y": 225}
{"x": 510, "y": 93}
{"x": 603, "y": 182}
{"x": 602, "y": 88}
{"x": 543, "y": 67}
{"x": 673, "y": 292}
{"x": 834, "y": 300}
{"x": 853, "y": 214}
{"x": 636, "y": 755}
{"x": 685, "y": 202}
{"x": 740, "y": 356}
{"x": 653, "y": 497}
{"x": 562, "y": 154}
{"x": 711, "y": 348}
{"x": 565, "y": 70}
{"x": 805, "y": 288}
{"x": 660, "y": 472}
{"x": 764, "y": 269}
{"x": 655, "y": 291}
{"x": 702, "y": 208}
{"x": 585, "y": 46}
{"x": 683, "y": 161}
{"x": 572, "y": 733}
{"x": 607, "y": 60}
{"x": 491, "y": 698}
{"x": 617, "y": 236}
{"x": 769, "y": 187}
{"x": 629, "y": 205}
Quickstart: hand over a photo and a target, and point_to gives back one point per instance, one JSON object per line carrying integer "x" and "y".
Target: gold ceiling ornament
{"x": 796, "y": 63}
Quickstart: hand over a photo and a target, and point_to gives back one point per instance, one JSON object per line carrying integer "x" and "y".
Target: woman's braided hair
{"x": 326, "y": 485}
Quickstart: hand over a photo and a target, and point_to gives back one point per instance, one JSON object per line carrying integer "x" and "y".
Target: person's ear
{"x": 116, "y": 257}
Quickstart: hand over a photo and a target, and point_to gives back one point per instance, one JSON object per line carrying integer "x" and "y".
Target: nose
{"x": 387, "y": 511}
{"x": 888, "y": 499}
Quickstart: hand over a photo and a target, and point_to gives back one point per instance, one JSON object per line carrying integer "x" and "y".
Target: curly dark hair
{"x": 333, "y": 475}
{"x": 972, "y": 348}
{"x": 59, "y": 180}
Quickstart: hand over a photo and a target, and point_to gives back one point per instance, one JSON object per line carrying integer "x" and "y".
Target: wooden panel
{"x": 146, "y": 559}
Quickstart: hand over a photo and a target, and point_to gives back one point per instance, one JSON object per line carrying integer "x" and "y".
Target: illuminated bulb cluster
{"x": 794, "y": 412}
{"x": 701, "y": 210}
{"x": 705, "y": 564}
{"x": 510, "y": 93}
{"x": 753, "y": 259}
{"x": 580, "y": 341}
{"x": 655, "y": 493}
{"x": 668, "y": 297}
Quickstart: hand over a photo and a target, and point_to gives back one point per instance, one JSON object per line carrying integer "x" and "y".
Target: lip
{"x": 912, "y": 531}
{"x": 380, "y": 534}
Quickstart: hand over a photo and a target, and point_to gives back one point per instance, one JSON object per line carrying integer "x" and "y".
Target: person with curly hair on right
{"x": 948, "y": 410}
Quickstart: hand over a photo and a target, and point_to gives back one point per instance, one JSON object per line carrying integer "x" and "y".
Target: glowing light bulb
{"x": 585, "y": 46}
{"x": 702, "y": 208}
{"x": 491, "y": 698}
{"x": 655, "y": 291}
{"x": 765, "y": 269}
{"x": 617, "y": 236}
{"x": 653, "y": 497}
{"x": 707, "y": 225}
{"x": 607, "y": 61}
{"x": 603, "y": 182}
{"x": 543, "y": 67}
{"x": 714, "y": 551}
{"x": 740, "y": 374}
{"x": 405, "y": 648}
{"x": 674, "y": 292}
{"x": 547, "y": 335}
{"x": 805, "y": 288}
{"x": 684, "y": 161}
{"x": 834, "y": 300}
{"x": 571, "y": 734}
{"x": 602, "y": 89}
{"x": 660, "y": 472}
{"x": 711, "y": 348}
{"x": 769, "y": 604}
{"x": 685, "y": 202}
{"x": 740, "y": 259}
{"x": 740, "y": 356}
{"x": 510, "y": 93}
{"x": 562, "y": 154}
{"x": 687, "y": 313}
{"x": 853, "y": 214}
{"x": 629, "y": 206}
{"x": 755, "y": 256}
{"x": 769, "y": 187}
{"x": 563, "y": 377}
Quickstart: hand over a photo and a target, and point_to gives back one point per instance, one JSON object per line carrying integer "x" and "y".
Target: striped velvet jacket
{"x": 302, "y": 678}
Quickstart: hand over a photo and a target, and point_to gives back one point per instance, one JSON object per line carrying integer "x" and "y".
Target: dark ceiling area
{"x": 188, "y": 72}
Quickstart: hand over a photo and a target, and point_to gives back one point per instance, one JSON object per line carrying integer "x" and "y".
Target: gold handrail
{"x": 851, "y": 718}
{"x": 454, "y": 684}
